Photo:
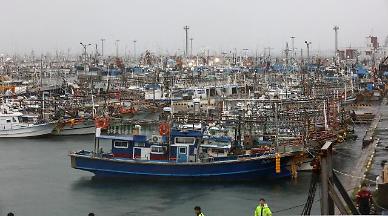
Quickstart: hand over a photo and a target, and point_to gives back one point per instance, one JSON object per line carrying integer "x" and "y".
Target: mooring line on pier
{"x": 289, "y": 208}
{"x": 352, "y": 176}
{"x": 341, "y": 153}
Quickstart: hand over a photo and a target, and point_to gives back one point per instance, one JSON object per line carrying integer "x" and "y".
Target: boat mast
{"x": 346, "y": 95}
{"x": 325, "y": 115}
{"x": 351, "y": 81}
{"x": 41, "y": 85}
{"x": 42, "y": 104}
{"x": 94, "y": 109}
{"x": 41, "y": 72}
{"x": 277, "y": 128}
{"x": 171, "y": 116}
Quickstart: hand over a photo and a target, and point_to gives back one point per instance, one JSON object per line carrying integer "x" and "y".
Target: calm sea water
{"x": 36, "y": 179}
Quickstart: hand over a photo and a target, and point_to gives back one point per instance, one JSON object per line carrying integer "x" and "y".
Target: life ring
{"x": 99, "y": 122}
{"x": 105, "y": 125}
{"x": 164, "y": 129}
{"x": 102, "y": 123}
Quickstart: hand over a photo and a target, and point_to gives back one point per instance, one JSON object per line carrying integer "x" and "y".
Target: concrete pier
{"x": 364, "y": 162}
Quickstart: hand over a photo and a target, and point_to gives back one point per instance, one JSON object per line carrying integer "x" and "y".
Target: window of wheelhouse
{"x": 139, "y": 144}
{"x": 120, "y": 144}
{"x": 185, "y": 140}
{"x": 157, "y": 149}
{"x": 182, "y": 150}
{"x": 218, "y": 151}
{"x": 25, "y": 119}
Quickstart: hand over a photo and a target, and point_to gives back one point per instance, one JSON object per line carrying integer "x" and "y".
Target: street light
{"x": 117, "y": 48}
{"x": 246, "y": 53}
{"x": 102, "y": 46}
{"x": 191, "y": 47}
{"x": 134, "y": 50}
{"x": 85, "y": 46}
{"x": 186, "y": 28}
{"x": 293, "y": 46}
{"x": 308, "y": 50}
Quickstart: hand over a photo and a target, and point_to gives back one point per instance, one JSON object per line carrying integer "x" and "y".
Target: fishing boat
{"x": 74, "y": 127}
{"x": 183, "y": 158}
{"x": 15, "y": 124}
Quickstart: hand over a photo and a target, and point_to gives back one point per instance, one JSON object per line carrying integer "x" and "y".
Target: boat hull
{"x": 233, "y": 170}
{"x": 75, "y": 130}
{"x": 31, "y": 131}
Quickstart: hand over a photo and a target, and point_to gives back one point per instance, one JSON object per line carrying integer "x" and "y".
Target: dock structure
{"x": 335, "y": 198}
{"x": 369, "y": 143}
{"x": 333, "y": 194}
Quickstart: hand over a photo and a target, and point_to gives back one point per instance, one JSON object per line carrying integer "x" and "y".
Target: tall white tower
{"x": 336, "y": 28}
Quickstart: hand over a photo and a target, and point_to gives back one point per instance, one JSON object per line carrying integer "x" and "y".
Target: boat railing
{"x": 250, "y": 156}
{"x": 290, "y": 148}
{"x": 81, "y": 152}
{"x": 238, "y": 157}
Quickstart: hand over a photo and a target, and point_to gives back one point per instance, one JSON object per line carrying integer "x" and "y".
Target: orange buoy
{"x": 164, "y": 129}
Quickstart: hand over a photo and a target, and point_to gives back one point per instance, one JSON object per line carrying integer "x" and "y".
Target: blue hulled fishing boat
{"x": 182, "y": 154}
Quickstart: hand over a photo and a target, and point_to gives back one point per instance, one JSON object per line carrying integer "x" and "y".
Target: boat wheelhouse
{"x": 184, "y": 147}
{"x": 129, "y": 147}
{"x": 216, "y": 146}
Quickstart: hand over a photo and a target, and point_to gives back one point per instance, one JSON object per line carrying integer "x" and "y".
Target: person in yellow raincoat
{"x": 262, "y": 209}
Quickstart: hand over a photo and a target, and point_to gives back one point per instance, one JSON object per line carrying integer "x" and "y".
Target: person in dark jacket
{"x": 364, "y": 200}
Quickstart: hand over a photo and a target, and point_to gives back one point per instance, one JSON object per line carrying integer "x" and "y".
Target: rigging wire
{"x": 311, "y": 194}
{"x": 315, "y": 200}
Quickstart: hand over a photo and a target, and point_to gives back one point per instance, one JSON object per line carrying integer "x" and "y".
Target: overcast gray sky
{"x": 50, "y": 25}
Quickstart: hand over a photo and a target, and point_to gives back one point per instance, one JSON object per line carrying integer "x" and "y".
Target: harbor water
{"x": 36, "y": 179}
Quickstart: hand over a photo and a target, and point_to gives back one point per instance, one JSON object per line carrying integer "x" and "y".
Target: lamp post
{"x": 102, "y": 47}
{"x": 186, "y": 28}
{"x": 191, "y": 47}
{"x": 117, "y": 48}
{"x": 293, "y": 46}
{"x": 85, "y": 46}
{"x": 134, "y": 50}
{"x": 335, "y": 28}
{"x": 308, "y": 50}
